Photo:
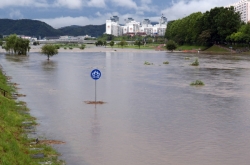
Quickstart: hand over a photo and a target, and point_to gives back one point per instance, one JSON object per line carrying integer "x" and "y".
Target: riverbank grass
{"x": 215, "y": 48}
{"x": 15, "y": 146}
{"x": 191, "y": 47}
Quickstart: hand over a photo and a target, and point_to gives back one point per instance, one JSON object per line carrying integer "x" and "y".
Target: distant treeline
{"x": 220, "y": 25}
{"x": 144, "y": 39}
{"x": 37, "y": 28}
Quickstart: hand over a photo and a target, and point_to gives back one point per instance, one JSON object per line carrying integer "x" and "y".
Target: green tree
{"x": 242, "y": 36}
{"x": 99, "y": 43}
{"x": 16, "y": 45}
{"x": 112, "y": 43}
{"x": 138, "y": 43}
{"x": 123, "y": 43}
{"x": 171, "y": 45}
{"x": 221, "y": 22}
{"x": 204, "y": 37}
{"x": 105, "y": 43}
{"x": 49, "y": 50}
{"x": 82, "y": 46}
{"x": 21, "y": 46}
{"x": 213, "y": 26}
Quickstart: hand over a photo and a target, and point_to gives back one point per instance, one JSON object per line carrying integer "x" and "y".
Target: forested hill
{"x": 27, "y": 27}
{"x": 38, "y": 28}
{"x": 92, "y": 30}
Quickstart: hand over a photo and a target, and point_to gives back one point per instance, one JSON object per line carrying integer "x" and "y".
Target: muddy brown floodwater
{"x": 152, "y": 115}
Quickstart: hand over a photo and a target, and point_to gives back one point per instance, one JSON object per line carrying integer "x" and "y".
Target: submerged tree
{"x": 16, "y": 45}
{"x": 49, "y": 50}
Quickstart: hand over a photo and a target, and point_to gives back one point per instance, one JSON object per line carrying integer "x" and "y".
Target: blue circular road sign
{"x": 96, "y": 74}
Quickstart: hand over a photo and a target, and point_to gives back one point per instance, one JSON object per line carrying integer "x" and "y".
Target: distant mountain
{"x": 91, "y": 30}
{"x": 27, "y": 27}
{"x": 38, "y": 28}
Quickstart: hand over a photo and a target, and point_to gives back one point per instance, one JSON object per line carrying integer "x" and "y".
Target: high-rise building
{"x": 243, "y": 7}
{"x": 113, "y": 27}
{"x": 132, "y": 27}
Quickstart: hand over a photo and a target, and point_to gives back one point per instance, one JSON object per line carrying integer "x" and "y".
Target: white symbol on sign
{"x": 96, "y": 74}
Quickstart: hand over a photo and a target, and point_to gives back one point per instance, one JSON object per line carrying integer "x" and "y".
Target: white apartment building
{"x": 243, "y": 7}
{"x": 158, "y": 29}
{"x": 113, "y": 27}
{"x": 132, "y": 27}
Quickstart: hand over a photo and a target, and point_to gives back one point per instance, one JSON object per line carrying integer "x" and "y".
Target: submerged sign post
{"x": 95, "y": 74}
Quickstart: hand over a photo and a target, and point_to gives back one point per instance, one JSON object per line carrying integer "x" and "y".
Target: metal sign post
{"x": 95, "y": 74}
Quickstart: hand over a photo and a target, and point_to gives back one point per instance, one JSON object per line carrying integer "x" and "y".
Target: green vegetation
{"x": 207, "y": 28}
{"x": 82, "y": 46}
{"x": 91, "y": 30}
{"x": 57, "y": 46}
{"x": 197, "y": 83}
{"x": 99, "y": 43}
{"x": 144, "y": 39}
{"x": 28, "y": 27}
{"x": 105, "y": 43}
{"x": 36, "y": 43}
{"x": 132, "y": 46}
{"x": 15, "y": 146}
{"x": 148, "y": 63}
{"x": 38, "y": 28}
{"x": 70, "y": 46}
{"x": 49, "y": 50}
{"x": 122, "y": 43}
{"x": 215, "y": 48}
{"x": 16, "y": 45}
{"x": 112, "y": 43}
{"x": 171, "y": 45}
{"x": 196, "y": 62}
{"x": 138, "y": 43}
{"x": 191, "y": 47}
{"x": 166, "y": 62}
{"x": 241, "y": 36}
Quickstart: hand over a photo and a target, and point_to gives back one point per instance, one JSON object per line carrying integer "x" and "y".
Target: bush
{"x": 57, "y": 46}
{"x": 196, "y": 62}
{"x": 197, "y": 83}
{"x": 147, "y": 63}
{"x": 171, "y": 45}
{"x": 166, "y": 62}
{"x": 112, "y": 43}
{"x": 82, "y": 46}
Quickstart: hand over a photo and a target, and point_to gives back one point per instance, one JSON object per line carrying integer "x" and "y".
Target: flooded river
{"x": 152, "y": 115}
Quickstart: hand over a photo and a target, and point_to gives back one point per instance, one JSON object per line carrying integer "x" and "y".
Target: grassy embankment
{"x": 215, "y": 48}
{"x": 15, "y": 146}
{"x": 211, "y": 50}
{"x": 191, "y": 47}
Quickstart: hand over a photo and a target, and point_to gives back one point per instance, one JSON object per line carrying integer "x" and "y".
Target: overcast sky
{"x": 60, "y": 13}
